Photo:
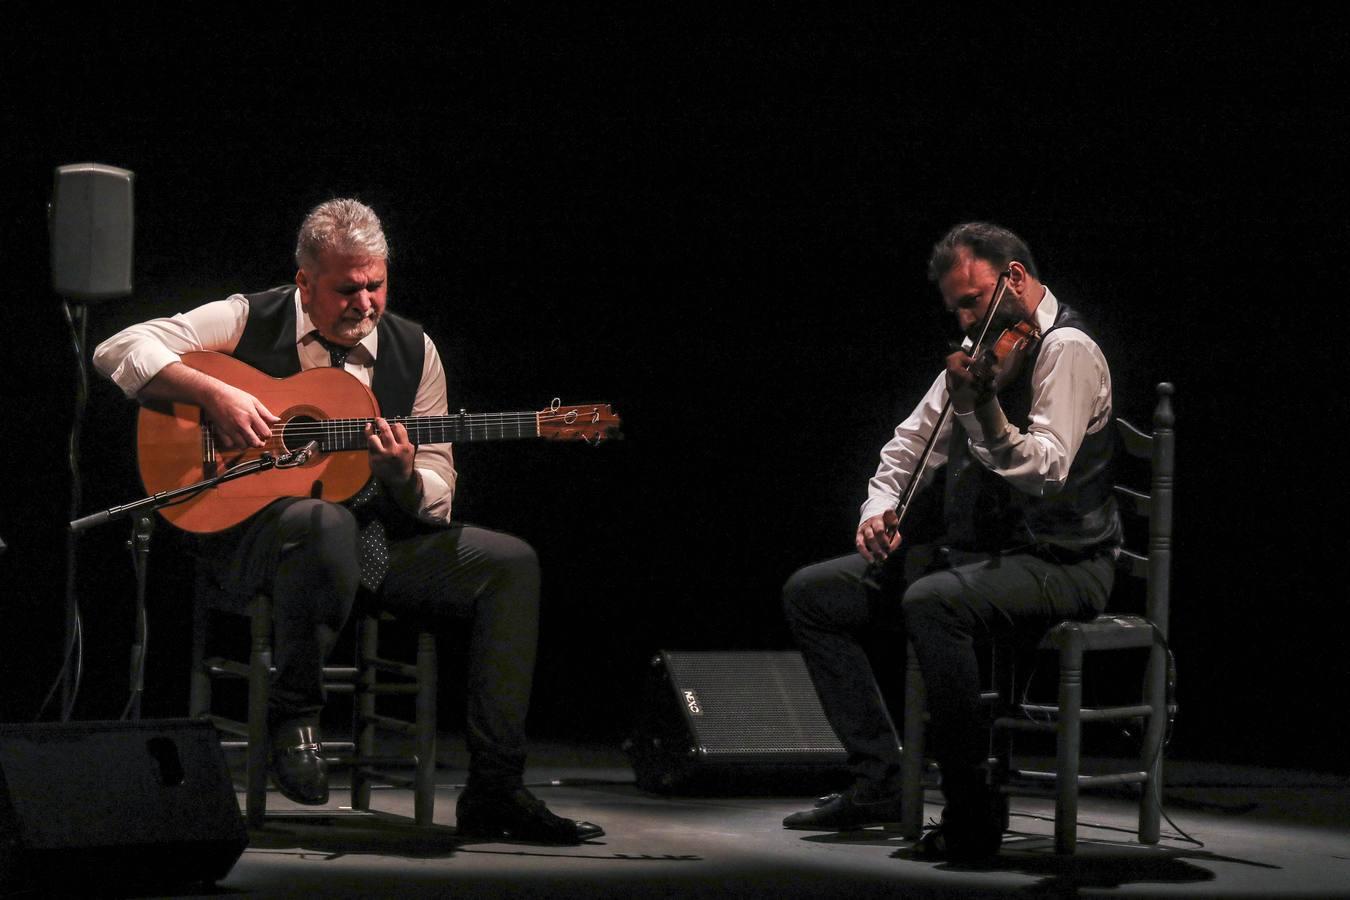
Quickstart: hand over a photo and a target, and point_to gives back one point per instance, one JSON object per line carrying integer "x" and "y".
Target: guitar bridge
{"x": 210, "y": 465}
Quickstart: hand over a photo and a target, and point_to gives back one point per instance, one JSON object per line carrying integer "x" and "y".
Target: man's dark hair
{"x": 994, "y": 244}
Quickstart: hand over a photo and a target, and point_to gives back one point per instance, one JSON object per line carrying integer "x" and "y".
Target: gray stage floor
{"x": 1253, "y": 833}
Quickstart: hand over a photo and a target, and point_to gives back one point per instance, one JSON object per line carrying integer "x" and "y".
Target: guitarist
{"x": 397, "y": 538}
{"x": 1029, "y": 528}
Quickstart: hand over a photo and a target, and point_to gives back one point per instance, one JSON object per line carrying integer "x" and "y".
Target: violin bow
{"x": 912, "y": 487}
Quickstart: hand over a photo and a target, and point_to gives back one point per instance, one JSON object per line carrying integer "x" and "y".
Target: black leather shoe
{"x": 298, "y": 766}
{"x": 516, "y": 814}
{"x": 845, "y": 812}
{"x": 966, "y": 838}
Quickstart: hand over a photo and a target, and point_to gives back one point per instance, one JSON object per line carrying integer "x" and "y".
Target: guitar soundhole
{"x": 293, "y": 438}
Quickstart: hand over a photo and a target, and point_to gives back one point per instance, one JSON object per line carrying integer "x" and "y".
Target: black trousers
{"x": 468, "y": 578}
{"x": 945, "y": 607}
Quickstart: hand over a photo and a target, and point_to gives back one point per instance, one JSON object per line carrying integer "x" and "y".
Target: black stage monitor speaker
{"x": 738, "y": 722}
{"x": 91, "y": 231}
{"x": 111, "y": 804}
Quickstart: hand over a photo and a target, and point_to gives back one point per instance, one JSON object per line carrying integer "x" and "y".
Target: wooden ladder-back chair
{"x": 371, "y": 676}
{"x": 1071, "y": 641}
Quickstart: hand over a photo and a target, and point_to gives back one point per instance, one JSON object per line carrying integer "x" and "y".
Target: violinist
{"x": 1011, "y": 444}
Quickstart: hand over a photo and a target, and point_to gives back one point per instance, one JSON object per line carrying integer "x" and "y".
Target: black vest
{"x": 983, "y": 512}
{"x": 268, "y": 344}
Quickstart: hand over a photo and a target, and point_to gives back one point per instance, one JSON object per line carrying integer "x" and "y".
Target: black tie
{"x": 337, "y": 354}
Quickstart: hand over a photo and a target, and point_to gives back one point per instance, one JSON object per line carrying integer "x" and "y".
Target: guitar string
{"x": 496, "y": 424}
{"x": 489, "y": 424}
{"x": 485, "y": 420}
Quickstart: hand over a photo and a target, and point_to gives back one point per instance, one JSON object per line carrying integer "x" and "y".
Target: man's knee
{"x": 797, "y": 597}
{"x": 325, "y": 532}
{"x": 306, "y": 518}
{"x": 517, "y": 554}
{"x": 811, "y": 595}
{"x": 513, "y": 558}
{"x": 508, "y": 566}
{"x": 927, "y": 600}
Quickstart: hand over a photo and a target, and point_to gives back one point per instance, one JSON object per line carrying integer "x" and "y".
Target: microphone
{"x": 298, "y": 457}
{"x": 93, "y": 519}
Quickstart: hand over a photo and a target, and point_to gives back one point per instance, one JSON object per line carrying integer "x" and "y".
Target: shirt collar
{"x": 1046, "y": 312}
{"x": 304, "y": 330}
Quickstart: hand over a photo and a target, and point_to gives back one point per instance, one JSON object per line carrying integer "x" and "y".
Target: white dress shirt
{"x": 1071, "y": 398}
{"x": 135, "y": 355}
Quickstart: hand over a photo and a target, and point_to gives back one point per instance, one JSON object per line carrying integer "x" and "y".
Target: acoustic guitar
{"x": 177, "y": 447}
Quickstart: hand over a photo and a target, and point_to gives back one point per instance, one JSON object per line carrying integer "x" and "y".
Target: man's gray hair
{"x": 343, "y": 225}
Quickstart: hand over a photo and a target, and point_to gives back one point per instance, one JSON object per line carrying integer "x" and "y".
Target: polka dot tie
{"x": 372, "y": 542}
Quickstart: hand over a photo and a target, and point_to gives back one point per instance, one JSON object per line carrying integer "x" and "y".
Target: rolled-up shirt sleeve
{"x": 135, "y": 355}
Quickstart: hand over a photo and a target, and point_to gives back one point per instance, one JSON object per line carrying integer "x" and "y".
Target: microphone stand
{"x": 140, "y": 560}
{"x": 139, "y": 543}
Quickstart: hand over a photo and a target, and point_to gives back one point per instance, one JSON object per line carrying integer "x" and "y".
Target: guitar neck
{"x": 349, "y": 434}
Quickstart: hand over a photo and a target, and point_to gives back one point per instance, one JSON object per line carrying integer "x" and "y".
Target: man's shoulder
{"x": 402, "y": 322}
{"x": 1072, "y": 333}
{"x": 1073, "y": 343}
{"x": 405, "y": 331}
{"x": 406, "y": 335}
{"x": 270, "y": 298}
{"x": 1069, "y": 325}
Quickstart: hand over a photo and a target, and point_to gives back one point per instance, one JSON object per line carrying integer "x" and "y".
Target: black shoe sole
{"x": 477, "y": 832}
{"x": 292, "y": 796}
{"x": 296, "y": 798}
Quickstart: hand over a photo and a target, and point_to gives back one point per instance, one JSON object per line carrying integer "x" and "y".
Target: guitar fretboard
{"x": 349, "y": 434}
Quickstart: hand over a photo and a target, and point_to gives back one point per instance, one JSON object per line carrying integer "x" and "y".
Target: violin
{"x": 999, "y": 364}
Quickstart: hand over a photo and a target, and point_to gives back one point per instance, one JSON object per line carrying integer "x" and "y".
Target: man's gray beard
{"x": 355, "y": 331}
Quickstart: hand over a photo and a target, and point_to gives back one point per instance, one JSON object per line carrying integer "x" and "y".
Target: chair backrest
{"x": 1154, "y": 564}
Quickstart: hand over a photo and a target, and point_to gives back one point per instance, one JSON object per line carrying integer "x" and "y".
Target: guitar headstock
{"x": 589, "y": 422}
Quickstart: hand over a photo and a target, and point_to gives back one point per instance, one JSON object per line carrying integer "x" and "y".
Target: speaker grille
{"x": 751, "y": 705}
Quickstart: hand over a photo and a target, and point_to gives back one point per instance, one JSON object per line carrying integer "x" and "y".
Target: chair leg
{"x": 1150, "y": 806}
{"x": 425, "y": 779}
{"x": 259, "y": 685}
{"x": 1068, "y": 744}
{"x": 1004, "y": 677}
{"x": 911, "y": 755}
{"x": 363, "y": 707}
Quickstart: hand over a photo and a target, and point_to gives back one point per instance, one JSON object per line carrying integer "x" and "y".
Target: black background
{"x": 719, "y": 224}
